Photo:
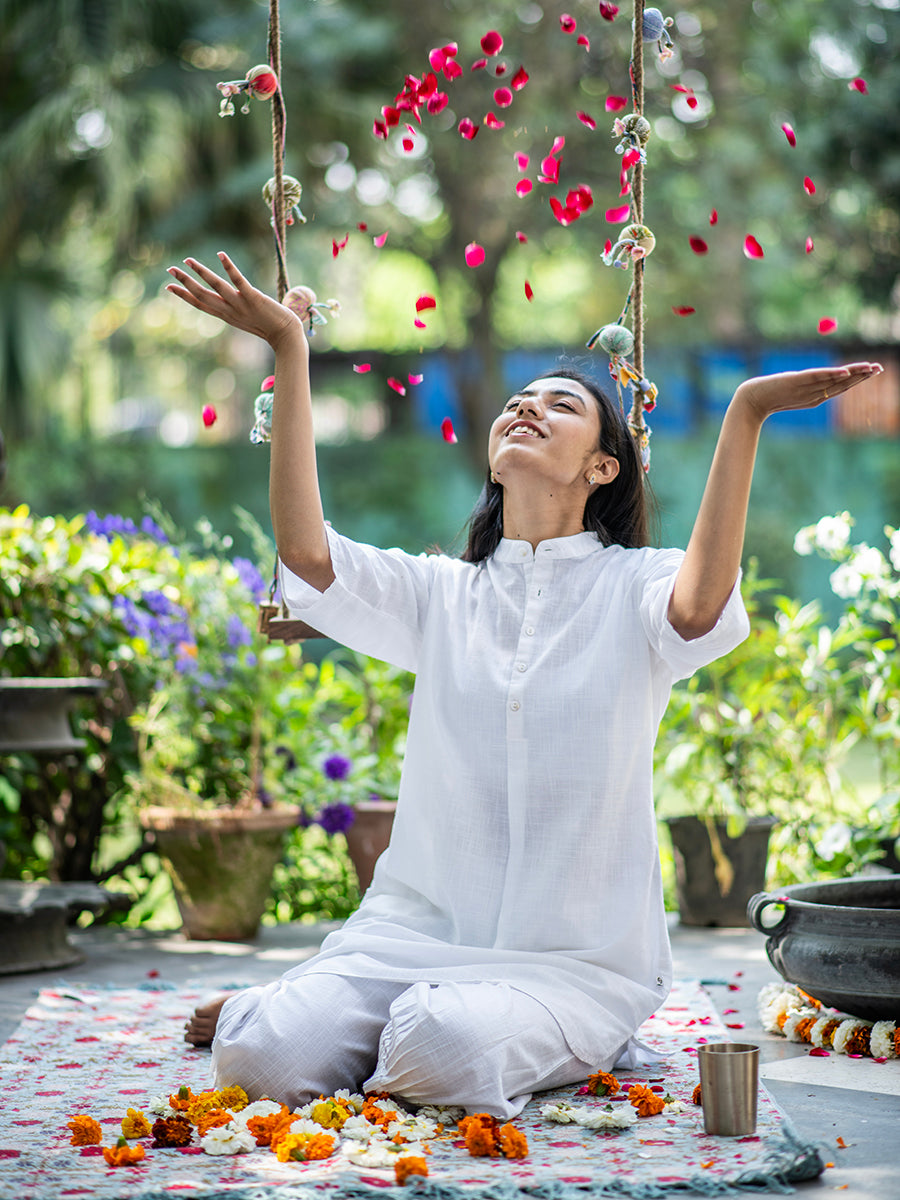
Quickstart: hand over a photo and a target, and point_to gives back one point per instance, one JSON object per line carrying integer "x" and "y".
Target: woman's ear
{"x": 604, "y": 470}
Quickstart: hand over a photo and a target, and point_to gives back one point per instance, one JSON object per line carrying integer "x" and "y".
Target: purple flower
{"x": 237, "y": 632}
{"x": 111, "y": 525}
{"x": 250, "y": 577}
{"x": 337, "y": 767}
{"x": 336, "y": 818}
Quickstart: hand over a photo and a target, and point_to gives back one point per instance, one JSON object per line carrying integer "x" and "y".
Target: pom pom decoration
{"x": 303, "y": 303}
{"x": 634, "y": 131}
{"x": 655, "y": 28}
{"x": 615, "y": 340}
{"x": 262, "y": 413}
{"x": 635, "y": 242}
{"x": 293, "y": 190}
{"x": 260, "y": 83}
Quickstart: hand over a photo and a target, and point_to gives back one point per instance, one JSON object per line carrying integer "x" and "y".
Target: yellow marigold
{"x": 409, "y": 1164}
{"x": 135, "y": 1124}
{"x": 603, "y": 1084}
{"x": 212, "y": 1120}
{"x": 513, "y": 1142}
{"x": 123, "y": 1155}
{"x": 303, "y": 1147}
{"x": 202, "y": 1104}
{"x": 828, "y": 1032}
{"x": 85, "y": 1131}
{"x": 331, "y": 1113}
{"x": 646, "y": 1101}
{"x": 233, "y": 1098}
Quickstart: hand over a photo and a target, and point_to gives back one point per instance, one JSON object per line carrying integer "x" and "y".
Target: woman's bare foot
{"x": 200, "y": 1029}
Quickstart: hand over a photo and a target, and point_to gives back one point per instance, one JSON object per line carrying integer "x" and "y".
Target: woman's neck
{"x": 539, "y": 515}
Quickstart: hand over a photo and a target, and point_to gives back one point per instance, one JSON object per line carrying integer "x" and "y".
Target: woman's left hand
{"x": 768, "y": 394}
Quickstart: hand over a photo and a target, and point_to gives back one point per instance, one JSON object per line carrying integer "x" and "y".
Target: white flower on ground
{"x": 774, "y": 1001}
{"x": 793, "y": 1020}
{"x": 881, "y": 1042}
{"x": 413, "y": 1128}
{"x": 622, "y": 1116}
{"x": 379, "y": 1153}
{"x": 833, "y": 533}
{"x": 843, "y": 1033}
{"x": 161, "y": 1107}
{"x": 304, "y": 1125}
{"x": 353, "y": 1098}
{"x": 357, "y": 1128}
{"x": 228, "y": 1139}
{"x": 441, "y": 1115}
{"x": 846, "y": 582}
{"x": 259, "y": 1108}
{"x": 805, "y": 540}
{"x": 675, "y": 1108}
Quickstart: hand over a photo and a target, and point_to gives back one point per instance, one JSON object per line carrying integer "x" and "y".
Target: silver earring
{"x": 593, "y": 479}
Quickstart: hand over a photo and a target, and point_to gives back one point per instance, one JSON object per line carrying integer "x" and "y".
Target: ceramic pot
{"x": 838, "y": 940}
{"x": 220, "y": 862}
{"x": 715, "y": 875}
{"x": 368, "y": 836}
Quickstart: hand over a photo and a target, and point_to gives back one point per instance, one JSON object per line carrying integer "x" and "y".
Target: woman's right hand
{"x": 238, "y": 303}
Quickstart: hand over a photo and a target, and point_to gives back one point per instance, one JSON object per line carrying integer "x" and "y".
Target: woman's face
{"x": 551, "y": 429}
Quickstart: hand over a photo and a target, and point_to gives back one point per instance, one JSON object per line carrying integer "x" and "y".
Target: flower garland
{"x": 787, "y": 1010}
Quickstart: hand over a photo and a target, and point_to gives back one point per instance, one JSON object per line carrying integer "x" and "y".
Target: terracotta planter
{"x": 220, "y": 862}
{"x": 715, "y": 875}
{"x": 368, "y": 837}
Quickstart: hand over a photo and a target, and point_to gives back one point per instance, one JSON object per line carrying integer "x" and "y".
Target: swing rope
{"x": 279, "y": 219}
{"x": 636, "y": 419}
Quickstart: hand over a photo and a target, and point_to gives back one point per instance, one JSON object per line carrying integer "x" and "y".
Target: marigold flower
{"x": 697, "y": 1095}
{"x": 233, "y": 1098}
{"x": 171, "y": 1131}
{"x": 123, "y": 1155}
{"x": 647, "y": 1102}
{"x": 182, "y": 1100}
{"x": 264, "y": 1129}
{"x": 603, "y": 1084}
{"x": 513, "y": 1142}
{"x": 304, "y": 1147}
{"x": 331, "y": 1113}
{"x": 135, "y": 1124}
{"x": 409, "y": 1164}
{"x": 212, "y": 1120}
{"x": 85, "y": 1131}
{"x": 202, "y": 1104}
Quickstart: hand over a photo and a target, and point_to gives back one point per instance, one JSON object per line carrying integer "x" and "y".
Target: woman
{"x": 513, "y": 938}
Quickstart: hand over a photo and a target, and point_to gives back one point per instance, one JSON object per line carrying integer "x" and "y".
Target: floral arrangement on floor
{"x": 788, "y": 1010}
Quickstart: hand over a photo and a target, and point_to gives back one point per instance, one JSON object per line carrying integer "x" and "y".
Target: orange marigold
{"x": 85, "y": 1131}
{"x": 481, "y": 1132}
{"x": 513, "y": 1142}
{"x": 212, "y": 1120}
{"x": 263, "y": 1128}
{"x": 859, "y": 1040}
{"x": 803, "y": 1028}
{"x": 409, "y": 1164}
{"x": 897, "y": 1041}
{"x": 646, "y": 1101}
{"x": 810, "y": 1000}
{"x": 697, "y": 1096}
{"x": 200, "y": 1105}
{"x": 828, "y": 1032}
{"x": 123, "y": 1155}
{"x": 171, "y": 1131}
{"x": 182, "y": 1100}
{"x": 603, "y": 1084}
{"x": 375, "y": 1114}
{"x": 303, "y": 1147}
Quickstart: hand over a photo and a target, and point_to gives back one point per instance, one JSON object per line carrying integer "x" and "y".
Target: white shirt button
{"x": 521, "y": 667}
{"x": 530, "y": 631}
{"x": 514, "y": 705}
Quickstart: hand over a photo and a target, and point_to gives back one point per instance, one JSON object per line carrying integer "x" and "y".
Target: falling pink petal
{"x": 630, "y": 157}
{"x": 407, "y": 144}
{"x": 474, "y": 255}
{"x": 437, "y": 58}
{"x": 567, "y": 23}
{"x": 522, "y": 161}
{"x": 362, "y": 368}
{"x": 698, "y": 245}
{"x": 616, "y": 215}
{"x": 788, "y": 131}
{"x": 492, "y": 43}
{"x": 584, "y": 41}
{"x": 396, "y": 385}
{"x": 585, "y": 119}
{"x": 391, "y": 115}
{"x": 558, "y": 144}
{"x": 827, "y": 325}
{"x": 337, "y": 247}
{"x": 549, "y": 170}
{"x": 580, "y": 199}
{"x": 858, "y": 85}
{"x": 734, "y": 1024}
{"x": 379, "y": 129}
{"x": 523, "y": 187}
{"x": 419, "y": 324}
{"x": 753, "y": 249}
{"x": 520, "y": 236}
{"x": 209, "y": 415}
{"x": 808, "y": 186}
{"x": 529, "y": 291}
{"x": 519, "y": 80}
{"x": 500, "y": 68}
{"x": 362, "y": 226}
{"x": 267, "y": 384}
{"x": 425, "y": 301}
{"x": 608, "y": 11}
{"x": 452, "y": 70}
{"x": 562, "y": 212}
{"x": 381, "y": 238}
{"x": 810, "y": 245}
{"x": 683, "y": 310}
{"x": 467, "y": 128}
{"x": 437, "y": 102}
{"x": 607, "y": 246}
{"x": 492, "y": 121}
{"x": 503, "y": 97}
{"x": 714, "y": 217}
{"x": 415, "y": 379}
{"x": 616, "y": 103}
{"x": 479, "y": 64}
{"x": 447, "y": 430}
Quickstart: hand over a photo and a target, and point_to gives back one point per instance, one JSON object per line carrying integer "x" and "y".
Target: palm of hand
{"x": 768, "y": 394}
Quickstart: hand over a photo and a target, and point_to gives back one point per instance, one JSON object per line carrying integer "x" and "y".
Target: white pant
{"x": 484, "y": 1046}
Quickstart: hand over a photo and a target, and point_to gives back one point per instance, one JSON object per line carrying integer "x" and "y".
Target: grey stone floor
{"x": 861, "y": 1105}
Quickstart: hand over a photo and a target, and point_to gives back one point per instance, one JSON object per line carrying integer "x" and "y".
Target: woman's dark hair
{"x": 618, "y": 512}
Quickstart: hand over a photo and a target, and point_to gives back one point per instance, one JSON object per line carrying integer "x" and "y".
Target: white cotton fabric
{"x": 524, "y": 845}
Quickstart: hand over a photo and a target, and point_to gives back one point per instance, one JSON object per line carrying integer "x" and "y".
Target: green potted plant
{"x": 749, "y": 757}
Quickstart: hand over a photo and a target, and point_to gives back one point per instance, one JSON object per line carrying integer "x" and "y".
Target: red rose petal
{"x": 474, "y": 255}
{"x": 419, "y": 324}
{"x": 586, "y": 120}
{"x": 714, "y": 217}
{"x": 827, "y": 325}
{"x": 683, "y": 310}
{"x": 808, "y": 186}
{"x": 266, "y": 386}
{"x": 622, "y": 213}
{"x": 452, "y": 70}
{"x": 362, "y": 368}
{"x": 858, "y": 85}
{"x": 629, "y": 158}
{"x": 520, "y": 236}
{"x": 425, "y": 301}
{"x": 492, "y": 43}
{"x": 381, "y": 238}
{"x": 584, "y": 41}
{"x": 529, "y": 291}
{"x": 479, "y": 64}
{"x": 519, "y": 80}
{"x": 337, "y": 247}
{"x": 698, "y": 245}
{"x": 492, "y": 121}
{"x": 789, "y": 134}
{"x": 467, "y": 128}
{"x": 407, "y": 144}
{"x": 558, "y": 144}
{"x": 567, "y": 23}
{"x": 396, "y": 385}
{"x": 549, "y": 170}
{"x": 818, "y": 1052}
{"x": 522, "y": 161}
{"x": 415, "y": 379}
{"x": 437, "y": 102}
{"x": 810, "y": 245}
{"x": 500, "y": 68}
{"x": 447, "y": 430}
{"x": 503, "y": 97}
{"x": 608, "y": 11}
{"x": 523, "y": 187}
{"x": 752, "y": 248}
{"x": 616, "y": 103}
{"x": 209, "y": 415}
{"x": 437, "y": 58}
{"x": 362, "y": 226}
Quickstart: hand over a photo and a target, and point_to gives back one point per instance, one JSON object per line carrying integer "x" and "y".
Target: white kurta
{"x": 524, "y": 845}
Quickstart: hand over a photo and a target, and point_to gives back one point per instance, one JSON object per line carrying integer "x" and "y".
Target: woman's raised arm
{"x": 713, "y": 558}
{"x": 294, "y": 498}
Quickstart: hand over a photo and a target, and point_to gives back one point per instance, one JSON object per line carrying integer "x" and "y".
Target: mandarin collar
{"x": 576, "y": 545}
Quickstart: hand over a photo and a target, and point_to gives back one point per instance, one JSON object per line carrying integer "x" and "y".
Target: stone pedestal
{"x": 34, "y": 919}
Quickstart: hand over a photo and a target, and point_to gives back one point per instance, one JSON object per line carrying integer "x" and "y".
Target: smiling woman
{"x": 476, "y": 971}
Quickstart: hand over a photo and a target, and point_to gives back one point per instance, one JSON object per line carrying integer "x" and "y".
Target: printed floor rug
{"x": 101, "y": 1052}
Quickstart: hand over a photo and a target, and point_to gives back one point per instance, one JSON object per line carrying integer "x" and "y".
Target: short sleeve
{"x": 681, "y": 656}
{"x": 376, "y": 604}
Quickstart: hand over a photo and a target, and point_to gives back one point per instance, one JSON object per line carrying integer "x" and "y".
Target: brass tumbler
{"x": 729, "y": 1080}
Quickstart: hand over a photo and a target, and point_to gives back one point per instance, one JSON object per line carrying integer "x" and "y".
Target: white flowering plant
{"x": 867, "y": 580}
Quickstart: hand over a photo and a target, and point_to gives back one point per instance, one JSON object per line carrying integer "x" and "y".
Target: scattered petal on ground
{"x": 752, "y": 249}
{"x": 827, "y": 325}
{"x": 447, "y": 430}
{"x": 474, "y": 255}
